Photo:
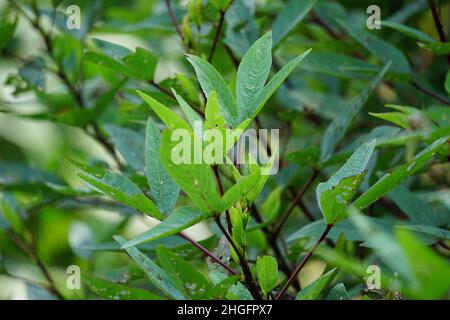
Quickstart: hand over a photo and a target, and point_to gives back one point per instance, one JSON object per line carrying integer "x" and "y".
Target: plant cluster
{"x": 352, "y": 201}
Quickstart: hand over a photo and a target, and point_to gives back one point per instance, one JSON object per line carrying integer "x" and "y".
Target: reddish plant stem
{"x": 216, "y": 36}
{"x": 207, "y": 252}
{"x": 438, "y": 24}
{"x": 304, "y": 261}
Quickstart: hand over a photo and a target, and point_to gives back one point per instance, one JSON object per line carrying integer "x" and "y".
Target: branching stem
{"x": 299, "y": 196}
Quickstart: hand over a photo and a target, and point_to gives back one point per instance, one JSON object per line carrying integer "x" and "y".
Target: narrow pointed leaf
{"x": 267, "y": 271}
{"x": 118, "y": 187}
{"x": 130, "y": 144}
{"x": 313, "y": 291}
{"x": 113, "y": 291}
{"x": 393, "y": 179}
{"x": 252, "y": 74}
{"x": 211, "y": 80}
{"x": 195, "y": 179}
{"x": 157, "y": 275}
{"x": 164, "y": 190}
{"x": 339, "y": 126}
{"x": 179, "y": 220}
{"x": 273, "y": 85}
{"x": 184, "y": 274}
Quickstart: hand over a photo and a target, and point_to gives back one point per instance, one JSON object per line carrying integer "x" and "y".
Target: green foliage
{"x": 334, "y": 195}
{"x": 112, "y": 291}
{"x": 267, "y": 270}
{"x": 312, "y": 291}
{"x": 117, "y": 187}
{"x": 164, "y": 190}
{"x": 104, "y": 131}
{"x": 179, "y": 220}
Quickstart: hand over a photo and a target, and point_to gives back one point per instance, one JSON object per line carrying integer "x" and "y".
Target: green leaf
{"x": 267, "y": 167}
{"x": 100, "y": 106}
{"x": 447, "y": 83}
{"x": 169, "y": 117}
{"x": 164, "y": 190}
{"x": 113, "y": 291}
{"x": 384, "y": 244}
{"x": 308, "y": 157}
{"x": 244, "y": 186}
{"x": 187, "y": 86}
{"x": 220, "y": 290}
{"x": 393, "y": 179}
{"x": 130, "y": 144}
{"x": 417, "y": 210}
{"x": 438, "y": 233}
{"x": 176, "y": 222}
{"x": 338, "y": 65}
{"x": 191, "y": 115}
{"x": 140, "y": 64}
{"x": 211, "y": 80}
{"x": 113, "y": 50}
{"x": 405, "y": 118}
{"x": 431, "y": 271}
{"x": 267, "y": 271}
{"x": 12, "y": 174}
{"x": 273, "y": 85}
{"x": 252, "y": 74}
{"x": 339, "y": 126}
{"x": 338, "y": 292}
{"x": 383, "y": 50}
{"x": 195, "y": 179}
{"x": 313, "y": 291}
{"x": 10, "y": 215}
{"x": 117, "y": 187}
{"x": 292, "y": 14}
{"x": 438, "y": 48}
{"x": 398, "y": 118}
{"x": 333, "y": 196}
{"x": 109, "y": 63}
{"x": 182, "y": 273}
{"x": 408, "y": 31}
{"x": 213, "y": 116}
{"x": 159, "y": 277}
{"x": 241, "y": 28}
{"x": 314, "y": 230}
{"x": 271, "y": 206}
